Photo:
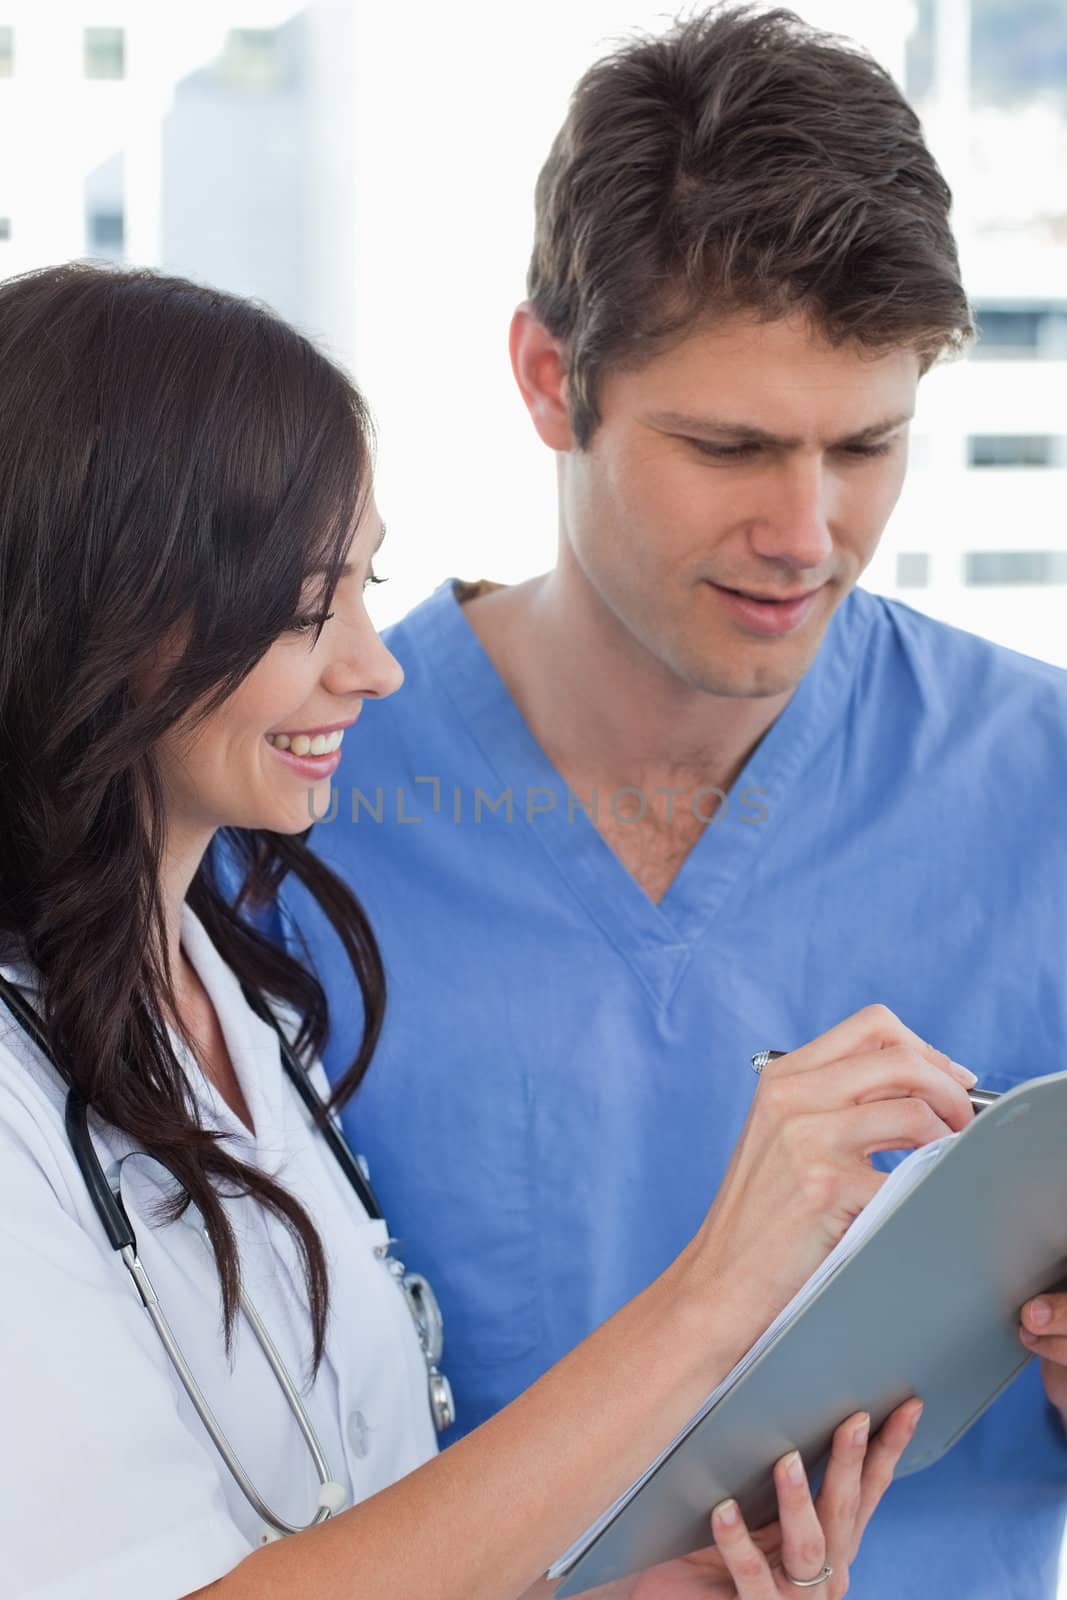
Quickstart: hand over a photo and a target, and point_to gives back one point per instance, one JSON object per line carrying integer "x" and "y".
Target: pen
{"x": 979, "y": 1098}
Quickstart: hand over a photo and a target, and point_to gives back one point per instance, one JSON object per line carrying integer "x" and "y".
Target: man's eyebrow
{"x": 877, "y": 429}
{"x": 719, "y": 428}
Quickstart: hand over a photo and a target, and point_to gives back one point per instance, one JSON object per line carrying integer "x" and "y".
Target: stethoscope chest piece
{"x": 442, "y": 1405}
{"x": 429, "y": 1325}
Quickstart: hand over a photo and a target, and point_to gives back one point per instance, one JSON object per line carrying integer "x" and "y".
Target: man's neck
{"x": 649, "y": 757}
{"x": 598, "y": 702}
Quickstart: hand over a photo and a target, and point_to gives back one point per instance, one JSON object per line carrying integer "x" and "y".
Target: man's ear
{"x": 537, "y": 362}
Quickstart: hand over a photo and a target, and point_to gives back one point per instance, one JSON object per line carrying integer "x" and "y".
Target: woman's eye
{"x": 372, "y": 577}
{"x": 310, "y": 624}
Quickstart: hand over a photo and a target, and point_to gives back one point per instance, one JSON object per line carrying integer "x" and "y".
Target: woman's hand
{"x": 572, "y": 1442}
{"x": 807, "y": 1537}
{"x": 801, "y": 1170}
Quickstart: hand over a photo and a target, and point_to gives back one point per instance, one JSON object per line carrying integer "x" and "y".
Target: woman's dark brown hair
{"x": 743, "y": 161}
{"x": 174, "y": 462}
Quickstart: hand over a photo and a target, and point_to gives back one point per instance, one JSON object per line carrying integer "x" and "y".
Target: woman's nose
{"x": 363, "y": 665}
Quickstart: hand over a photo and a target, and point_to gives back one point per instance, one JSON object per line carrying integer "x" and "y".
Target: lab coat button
{"x": 359, "y": 1435}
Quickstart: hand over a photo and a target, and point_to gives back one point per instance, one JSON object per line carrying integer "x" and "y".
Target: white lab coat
{"x": 109, "y": 1485}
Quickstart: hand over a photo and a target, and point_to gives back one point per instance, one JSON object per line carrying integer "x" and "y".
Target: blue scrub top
{"x": 564, "y": 1068}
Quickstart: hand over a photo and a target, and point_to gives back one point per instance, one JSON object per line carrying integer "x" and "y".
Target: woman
{"x": 186, "y": 529}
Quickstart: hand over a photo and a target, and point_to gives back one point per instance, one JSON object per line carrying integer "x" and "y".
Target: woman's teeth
{"x": 323, "y": 744}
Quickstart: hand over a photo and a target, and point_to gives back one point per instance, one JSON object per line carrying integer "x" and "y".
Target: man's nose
{"x": 795, "y": 528}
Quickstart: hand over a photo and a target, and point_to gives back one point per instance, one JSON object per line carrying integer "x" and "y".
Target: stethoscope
{"x": 109, "y": 1207}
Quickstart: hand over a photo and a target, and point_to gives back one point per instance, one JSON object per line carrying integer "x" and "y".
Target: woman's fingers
{"x": 840, "y": 1496}
{"x": 887, "y": 1447}
{"x": 805, "y": 1539}
{"x": 828, "y": 1530}
{"x": 742, "y": 1558}
{"x": 902, "y": 1124}
{"x": 800, "y": 1172}
{"x": 804, "y": 1532}
{"x": 873, "y": 1028}
{"x": 896, "y": 1073}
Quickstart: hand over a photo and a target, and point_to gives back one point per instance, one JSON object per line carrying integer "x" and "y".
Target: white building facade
{"x": 367, "y": 170}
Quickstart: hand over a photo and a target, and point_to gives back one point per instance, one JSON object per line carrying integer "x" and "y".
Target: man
{"x": 692, "y": 793}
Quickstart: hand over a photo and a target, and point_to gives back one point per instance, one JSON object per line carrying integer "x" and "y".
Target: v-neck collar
{"x": 656, "y": 940}
{"x": 254, "y": 1052}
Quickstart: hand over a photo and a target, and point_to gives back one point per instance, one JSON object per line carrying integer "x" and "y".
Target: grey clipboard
{"x": 927, "y": 1306}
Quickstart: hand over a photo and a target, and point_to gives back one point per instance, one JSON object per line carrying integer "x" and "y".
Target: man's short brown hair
{"x": 742, "y": 162}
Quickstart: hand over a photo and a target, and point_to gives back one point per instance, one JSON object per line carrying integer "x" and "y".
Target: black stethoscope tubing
{"x": 335, "y": 1139}
{"x": 107, "y": 1204}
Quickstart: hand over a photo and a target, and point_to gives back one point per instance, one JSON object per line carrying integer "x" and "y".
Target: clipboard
{"x": 928, "y": 1305}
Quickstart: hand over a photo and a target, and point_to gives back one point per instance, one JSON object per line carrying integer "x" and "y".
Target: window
{"x": 105, "y": 53}
{"x": 107, "y": 233}
{"x": 1021, "y": 332}
{"x": 7, "y": 52}
{"x": 1016, "y": 450}
{"x": 253, "y": 59}
{"x": 913, "y": 569}
{"x": 1018, "y": 51}
{"x": 1015, "y": 566}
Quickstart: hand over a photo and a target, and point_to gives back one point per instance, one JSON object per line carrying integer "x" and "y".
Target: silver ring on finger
{"x": 810, "y": 1583}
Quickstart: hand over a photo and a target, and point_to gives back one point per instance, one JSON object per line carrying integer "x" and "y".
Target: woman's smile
{"x": 314, "y": 753}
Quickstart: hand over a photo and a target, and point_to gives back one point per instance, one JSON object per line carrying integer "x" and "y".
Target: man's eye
{"x": 724, "y": 452}
{"x": 865, "y": 451}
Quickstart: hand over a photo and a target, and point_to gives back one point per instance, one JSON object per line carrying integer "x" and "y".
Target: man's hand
{"x": 1043, "y": 1330}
